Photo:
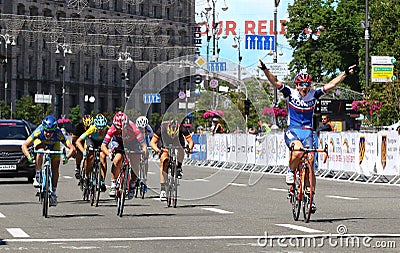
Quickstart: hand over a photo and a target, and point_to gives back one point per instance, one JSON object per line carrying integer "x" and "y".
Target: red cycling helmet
{"x": 120, "y": 120}
{"x": 303, "y": 78}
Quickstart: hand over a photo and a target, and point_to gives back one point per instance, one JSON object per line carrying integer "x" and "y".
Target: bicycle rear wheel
{"x": 170, "y": 181}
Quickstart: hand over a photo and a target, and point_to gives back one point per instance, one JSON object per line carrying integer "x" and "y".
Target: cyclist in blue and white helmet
{"x": 143, "y": 124}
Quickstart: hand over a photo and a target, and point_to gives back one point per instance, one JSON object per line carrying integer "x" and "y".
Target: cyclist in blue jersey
{"x": 48, "y": 136}
{"x": 301, "y": 102}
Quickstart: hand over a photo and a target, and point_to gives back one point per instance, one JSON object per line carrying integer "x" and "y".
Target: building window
{"x": 101, "y": 78}
{"x": 86, "y": 74}
{"x": 43, "y": 67}
{"x": 114, "y": 76}
{"x": 73, "y": 70}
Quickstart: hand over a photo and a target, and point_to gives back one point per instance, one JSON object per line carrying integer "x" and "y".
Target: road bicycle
{"x": 95, "y": 178}
{"x": 172, "y": 182}
{"x": 46, "y": 186}
{"x": 298, "y": 193}
{"x": 123, "y": 183}
{"x": 141, "y": 181}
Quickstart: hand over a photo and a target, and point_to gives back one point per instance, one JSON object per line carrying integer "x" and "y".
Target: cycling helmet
{"x": 87, "y": 120}
{"x": 120, "y": 120}
{"x": 142, "y": 122}
{"x": 303, "y": 78}
{"x": 49, "y": 124}
{"x": 100, "y": 121}
{"x": 173, "y": 128}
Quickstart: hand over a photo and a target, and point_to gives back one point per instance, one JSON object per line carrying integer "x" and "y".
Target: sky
{"x": 254, "y": 12}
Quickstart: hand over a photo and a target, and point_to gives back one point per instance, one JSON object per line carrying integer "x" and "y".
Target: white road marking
{"x": 151, "y": 173}
{"x": 67, "y": 177}
{"x": 216, "y": 210}
{"x": 340, "y": 197}
{"x": 300, "y": 228}
{"x": 278, "y": 189}
{"x": 2, "y": 215}
{"x": 236, "y": 184}
{"x": 191, "y": 238}
{"x": 201, "y": 179}
{"x": 17, "y": 232}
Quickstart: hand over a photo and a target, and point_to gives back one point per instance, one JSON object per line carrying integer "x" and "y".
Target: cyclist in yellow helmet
{"x": 170, "y": 133}
{"x": 80, "y": 128}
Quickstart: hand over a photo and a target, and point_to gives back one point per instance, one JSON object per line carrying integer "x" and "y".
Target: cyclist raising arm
{"x": 170, "y": 133}
{"x": 48, "y": 136}
{"x": 94, "y": 137}
{"x": 301, "y": 103}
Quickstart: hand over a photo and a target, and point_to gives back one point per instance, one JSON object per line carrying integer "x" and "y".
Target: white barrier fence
{"x": 370, "y": 157}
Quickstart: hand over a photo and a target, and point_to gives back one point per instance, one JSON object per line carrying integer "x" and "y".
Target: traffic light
{"x": 124, "y": 76}
{"x": 247, "y": 107}
{"x": 61, "y": 69}
{"x": 198, "y": 79}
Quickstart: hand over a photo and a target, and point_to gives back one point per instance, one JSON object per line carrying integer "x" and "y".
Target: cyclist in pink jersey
{"x": 123, "y": 134}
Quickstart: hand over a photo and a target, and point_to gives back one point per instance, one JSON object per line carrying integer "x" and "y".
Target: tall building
{"x": 89, "y": 52}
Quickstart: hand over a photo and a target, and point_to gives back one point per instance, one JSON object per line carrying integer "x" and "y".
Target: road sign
{"x": 260, "y": 42}
{"x": 278, "y": 69}
{"x": 382, "y": 60}
{"x": 42, "y": 99}
{"x": 382, "y": 73}
{"x": 181, "y": 95}
{"x": 151, "y": 98}
{"x": 216, "y": 66}
{"x": 213, "y": 83}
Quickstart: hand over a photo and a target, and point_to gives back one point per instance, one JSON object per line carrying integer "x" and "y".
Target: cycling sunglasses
{"x": 303, "y": 84}
{"x": 49, "y": 130}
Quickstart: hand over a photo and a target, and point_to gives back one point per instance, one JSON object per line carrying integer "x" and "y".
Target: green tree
{"x": 75, "y": 115}
{"x": 26, "y": 109}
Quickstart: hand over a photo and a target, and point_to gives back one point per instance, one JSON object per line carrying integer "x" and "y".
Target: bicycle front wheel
{"x": 308, "y": 199}
{"x": 296, "y": 203}
{"x": 45, "y": 193}
{"x": 98, "y": 183}
{"x": 121, "y": 192}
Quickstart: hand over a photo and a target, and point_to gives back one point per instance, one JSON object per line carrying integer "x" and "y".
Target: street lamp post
{"x": 215, "y": 26}
{"x": 66, "y": 49}
{"x": 8, "y": 40}
{"x": 236, "y": 44}
{"x": 125, "y": 62}
{"x": 275, "y": 59}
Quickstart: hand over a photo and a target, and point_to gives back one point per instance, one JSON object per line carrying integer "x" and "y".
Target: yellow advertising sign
{"x": 382, "y": 73}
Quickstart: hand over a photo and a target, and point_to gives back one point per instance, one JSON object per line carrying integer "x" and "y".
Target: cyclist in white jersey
{"x": 301, "y": 102}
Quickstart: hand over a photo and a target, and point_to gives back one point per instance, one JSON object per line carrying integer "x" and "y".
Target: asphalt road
{"x": 219, "y": 211}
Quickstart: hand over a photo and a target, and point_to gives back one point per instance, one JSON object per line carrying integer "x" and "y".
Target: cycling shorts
{"x": 307, "y": 137}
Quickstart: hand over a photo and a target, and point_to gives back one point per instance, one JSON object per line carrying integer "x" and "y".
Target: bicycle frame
{"x": 297, "y": 190}
{"x": 46, "y": 186}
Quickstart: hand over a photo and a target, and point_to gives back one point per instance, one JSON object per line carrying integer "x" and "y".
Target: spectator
{"x": 261, "y": 128}
{"x": 217, "y": 127}
{"x": 326, "y": 125}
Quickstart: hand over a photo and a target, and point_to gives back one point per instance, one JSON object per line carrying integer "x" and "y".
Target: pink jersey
{"x": 129, "y": 134}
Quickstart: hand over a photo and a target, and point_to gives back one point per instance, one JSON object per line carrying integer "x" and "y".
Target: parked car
{"x": 13, "y": 163}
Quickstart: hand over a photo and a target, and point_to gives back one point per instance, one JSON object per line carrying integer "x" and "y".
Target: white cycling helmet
{"x": 142, "y": 122}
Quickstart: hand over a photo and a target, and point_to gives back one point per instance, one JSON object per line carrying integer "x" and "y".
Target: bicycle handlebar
{"x": 309, "y": 150}
{"x": 51, "y": 152}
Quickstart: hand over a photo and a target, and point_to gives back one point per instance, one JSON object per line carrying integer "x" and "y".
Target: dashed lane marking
{"x": 17, "y": 232}
{"x": 340, "y": 197}
{"x": 278, "y": 189}
{"x": 300, "y": 228}
{"x": 236, "y": 184}
{"x": 216, "y": 210}
{"x": 2, "y": 215}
